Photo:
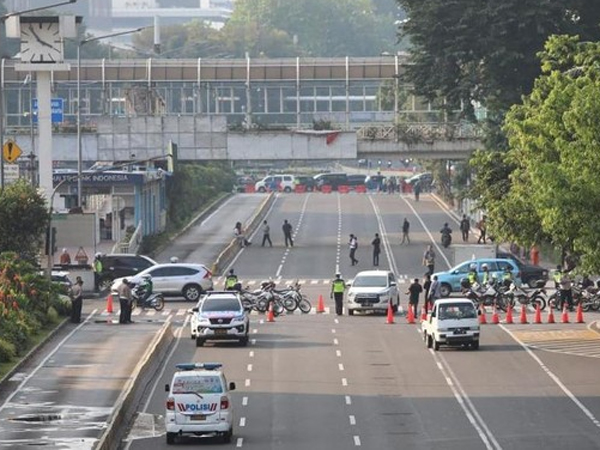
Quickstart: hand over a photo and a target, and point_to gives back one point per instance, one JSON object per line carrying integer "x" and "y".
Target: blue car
{"x": 450, "y": 280}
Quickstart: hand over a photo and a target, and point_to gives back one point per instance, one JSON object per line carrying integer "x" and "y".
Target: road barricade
{"x": 249, "y": 189}
{"x": 361, "y": 189}
{"x": 326, "y": 189}
{"x": 300, "y": 189}
{"x": 343, "y": 189}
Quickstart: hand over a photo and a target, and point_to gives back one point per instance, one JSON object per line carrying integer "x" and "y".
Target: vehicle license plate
{"x": 220, "y": 331}
{"x": 198, "y": 417}
{"x": 460, "y": 332}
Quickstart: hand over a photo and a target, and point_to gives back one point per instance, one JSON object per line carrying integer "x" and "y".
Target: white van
{"x": 452, "y": 322}
{"x": 283, "y": 183}
{"x": 199, "y": 402}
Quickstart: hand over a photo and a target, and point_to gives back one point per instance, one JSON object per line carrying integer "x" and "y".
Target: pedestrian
{"x": 65, "y": 258}
{"x": 482, "y": 227}
{"x": 98, "y": 268}
{"x": 535, "y": 255}
{"x": 353, "y": 245}
{"x": 405, "y": 230}
{"x": 426, "y": 288}
{"x": 238, "y": 232}
{"x": 338, "y": 286}
{"x": 435, "y": 291}
{"x": 465, "y": 227}
{"x": 124, "y": 292}
{"x": 376, "y": 249}
{"x": 429, "y": 259}
{"x": 287, "y": 233}
{"x": 417, "y": 190}
{"x": 266, "y": 229}
{"x": 414, "y": 291}
{"x": 76, "y": 300}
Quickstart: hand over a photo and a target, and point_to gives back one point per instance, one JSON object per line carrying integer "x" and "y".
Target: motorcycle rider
{"x": 507, "y": 278}
{"x": 144, "y": 289}
{"x": 446, "y": 232}
{"x": 472, "y": 275}
{"x": 231, "y": 282}
{"x": 485, "y": 277}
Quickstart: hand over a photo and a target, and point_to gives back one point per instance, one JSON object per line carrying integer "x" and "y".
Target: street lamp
{"x": 3, "y": 20}
{"x": 79, "y": 148}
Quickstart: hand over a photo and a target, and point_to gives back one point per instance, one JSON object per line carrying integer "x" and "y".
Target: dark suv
{"x": 530, "y": 274}
{"x": 331, "y": 179}
{"x": 307, "y": 181}
{"x": 118, "y": 265}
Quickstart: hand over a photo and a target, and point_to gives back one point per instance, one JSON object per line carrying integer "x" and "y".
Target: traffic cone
{"x": 509, "y": 316}
{"x": 565, "y": 315}
{"x": 523, "y": 318}
{"x": 270, "y": 314}
{"x": 538, "y": 314}
{"x": 579, "y": 314}
{"x": 320, "y": 305}
{"x": 410, "y": 316}
{"x": 390, "y": 314}
{"x": 495, "y": 318}
{"x": 109, "y": 303}
{"x": 423, "y": 314}
{"x": 550, "y": 314}
{"x": 482, "y": 318}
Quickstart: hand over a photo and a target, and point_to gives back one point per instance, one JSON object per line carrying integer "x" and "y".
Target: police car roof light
{"x": 192, "y": 366}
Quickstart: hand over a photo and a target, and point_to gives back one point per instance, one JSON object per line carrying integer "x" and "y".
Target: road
{"x": 320, "y": 381}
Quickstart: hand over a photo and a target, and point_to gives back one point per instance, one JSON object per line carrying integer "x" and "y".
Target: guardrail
{"x": 131, "y": 246}
{"x": 412, "y": 133}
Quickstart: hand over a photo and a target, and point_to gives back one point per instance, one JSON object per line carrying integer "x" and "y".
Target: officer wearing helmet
{"x": 485, "y": 278}
{"x": 174, "y": 259}
{"x": 472, "y": 276}
{"x": 338, "y": 286}
{"x": 231, "y": 282}
{"x": 97, "y": 267}
{"x": 507, "y": 277}
{"x": 145, "y": 288}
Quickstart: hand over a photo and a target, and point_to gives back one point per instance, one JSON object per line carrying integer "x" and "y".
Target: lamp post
{"x": 80, "y": 44}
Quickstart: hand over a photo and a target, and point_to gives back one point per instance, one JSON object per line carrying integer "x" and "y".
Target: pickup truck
{"x": 452, "y": 322}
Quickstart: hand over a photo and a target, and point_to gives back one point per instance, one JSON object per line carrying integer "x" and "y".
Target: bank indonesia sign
{"x": 56, "y": 105}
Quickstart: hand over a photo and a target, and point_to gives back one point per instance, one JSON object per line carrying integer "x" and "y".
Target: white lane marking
{"x": 333, "y": 330}
{"x": 341, "y": 367}
{"x": 249, "y": 367}
{"x": 339, "y": 236}
{"x": 240, "y": 442}
{"x": 357, "y": 441}
{"x": 247, "y": 382}
{"x": 244, "y": 401}
{"x": 344, "y": 382}
{"x": 338, "y": 353}
{"x": 242, "y": 421}
{"x": 348, "y": 400}
{"x": 253, "y": 341}
{"x": 295, "y": 233}
{"x": 45, "y": 360}
{"x": 555, "y": 378}
{"x": 255, "y": 330}
{"x": 251, "y": 354}
{"x": 335, "y": 320}
{"x": 336, "y": 342}
{"x": 352, "y": 420}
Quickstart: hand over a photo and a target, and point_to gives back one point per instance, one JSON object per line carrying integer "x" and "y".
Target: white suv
{"x": 219, "y": 316}
{"x": 199, "y": 402}
{"x": 283, "y": 183}
{"x": 373, "y": 290}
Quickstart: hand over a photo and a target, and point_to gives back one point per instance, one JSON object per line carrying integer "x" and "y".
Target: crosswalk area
{"x": 282, "y": 282}
{"x": 582, "y": 342}
{"x": 149, "y": 314}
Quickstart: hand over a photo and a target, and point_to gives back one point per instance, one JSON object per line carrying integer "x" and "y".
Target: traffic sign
{"x": 57, "y": 107}
{"x": 11, "y": 151}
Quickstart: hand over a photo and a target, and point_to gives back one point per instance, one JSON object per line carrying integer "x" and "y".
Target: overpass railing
{"x": 413, "y": 133}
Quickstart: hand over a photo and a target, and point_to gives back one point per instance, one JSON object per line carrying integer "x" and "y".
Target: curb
{"x": 233, "y": 248}
{"x": 127, "y": 400}
{"x": 34, "y": 351}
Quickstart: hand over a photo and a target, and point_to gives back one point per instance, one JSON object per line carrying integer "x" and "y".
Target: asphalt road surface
{"x": 319, "y": 381}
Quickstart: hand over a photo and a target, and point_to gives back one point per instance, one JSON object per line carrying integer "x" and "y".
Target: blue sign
{"x": 56, "y": 104}
{"x": 107, "y": 178}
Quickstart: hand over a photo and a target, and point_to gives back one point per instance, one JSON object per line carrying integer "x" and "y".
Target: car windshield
{"x": 221, "y": 304}
{"x": 370, "y": 281}
{"x": 207, "y": 384}
{"x": 457, "y": 311}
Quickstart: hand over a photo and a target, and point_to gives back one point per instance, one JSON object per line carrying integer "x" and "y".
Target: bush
{"x": 7, "y": 350}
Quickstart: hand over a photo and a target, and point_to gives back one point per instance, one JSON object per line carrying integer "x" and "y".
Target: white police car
{"x": 199, "y": 402}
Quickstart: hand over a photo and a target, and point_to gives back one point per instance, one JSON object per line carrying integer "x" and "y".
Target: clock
{"x": 41, "y": 42}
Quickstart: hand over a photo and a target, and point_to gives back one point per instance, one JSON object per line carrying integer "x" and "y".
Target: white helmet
{"x": 147, "y": 276}
{"x": 473, "y": 266}
{"x": 98, "y": 255}
{"x": 174, "y": 259}
{"x": 484, "y": 266}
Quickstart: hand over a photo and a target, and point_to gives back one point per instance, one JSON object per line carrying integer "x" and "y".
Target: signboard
{"x": 100, "y": 178}
{"x": 11, "y": 151}
{"x": 11, "y": 173}
{"x": 57, "y": 107}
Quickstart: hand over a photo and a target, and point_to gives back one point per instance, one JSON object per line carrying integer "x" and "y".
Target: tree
{"x": 553, "y": 136}
{"x": 23, "y": 220}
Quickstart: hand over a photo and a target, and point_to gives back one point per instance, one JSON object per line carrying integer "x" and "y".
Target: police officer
{"x": 507, "y": 278}
{"x": 338, "y": 286}
{"x": 231, "y": 282}
{"x": 124, "y": 291}
{"x": 557, "y": 276}
{"x": 472, "y": 275}
{"x": 77, "y": 300}
{"x": 485, "y": 278}
{"x": 98, "y": 268}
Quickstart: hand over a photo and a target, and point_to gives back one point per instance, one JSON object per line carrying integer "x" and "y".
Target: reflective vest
{"x": 97, "y": 266}
{"x": 485, "y": 277}
{"x": 557, "y": 276}
{"x": 230, "y": 281}
{"x": 507, "y": 276}
{"x": 472, "y": 276}
{"x": 338, "y": 285}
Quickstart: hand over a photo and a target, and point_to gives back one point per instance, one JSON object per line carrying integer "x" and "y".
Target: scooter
{"x": 156, "y": 300}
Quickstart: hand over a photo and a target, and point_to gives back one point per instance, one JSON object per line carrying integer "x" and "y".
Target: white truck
{"x": 466, "y": 252}
{"x": 452, "y": 322}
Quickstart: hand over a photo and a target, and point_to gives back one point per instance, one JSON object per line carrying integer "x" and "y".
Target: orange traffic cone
{"x": 579, "y": 314}
{"x": 270, "y": 314}
{"x": 482, "y": 319}
{"x": 538, "y": 314}
{"x": 320, "y": 305}
{"x": 523, "y": 318}
{"x": 390, "y": 314}
{"x": 565, "y": 315}
{"x": 509, "y": 316}
{"x": 424, "y": 314}
{"x": 495, "y": 318}
{"x": 109, "y": 303}
{"x": 550, "y": 314}
{"x": 410, "y": 316}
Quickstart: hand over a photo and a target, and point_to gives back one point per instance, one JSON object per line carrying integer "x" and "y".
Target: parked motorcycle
{"x": 156, "y": 300}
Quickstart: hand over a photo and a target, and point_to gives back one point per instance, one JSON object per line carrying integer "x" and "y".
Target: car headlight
{"x": 351, "y": 295}
{"x": 239, "y": 318}
{"x": 202, "y": 320}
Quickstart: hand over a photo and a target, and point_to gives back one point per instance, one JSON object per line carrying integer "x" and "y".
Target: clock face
{"x": 41, "y": 42}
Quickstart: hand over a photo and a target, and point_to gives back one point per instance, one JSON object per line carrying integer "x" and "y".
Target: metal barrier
{"x": 343, "y": 189}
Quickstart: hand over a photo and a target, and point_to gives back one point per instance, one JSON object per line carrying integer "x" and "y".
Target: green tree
{"x": 553, "y": 136}
{"x": 23, "y": 220}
